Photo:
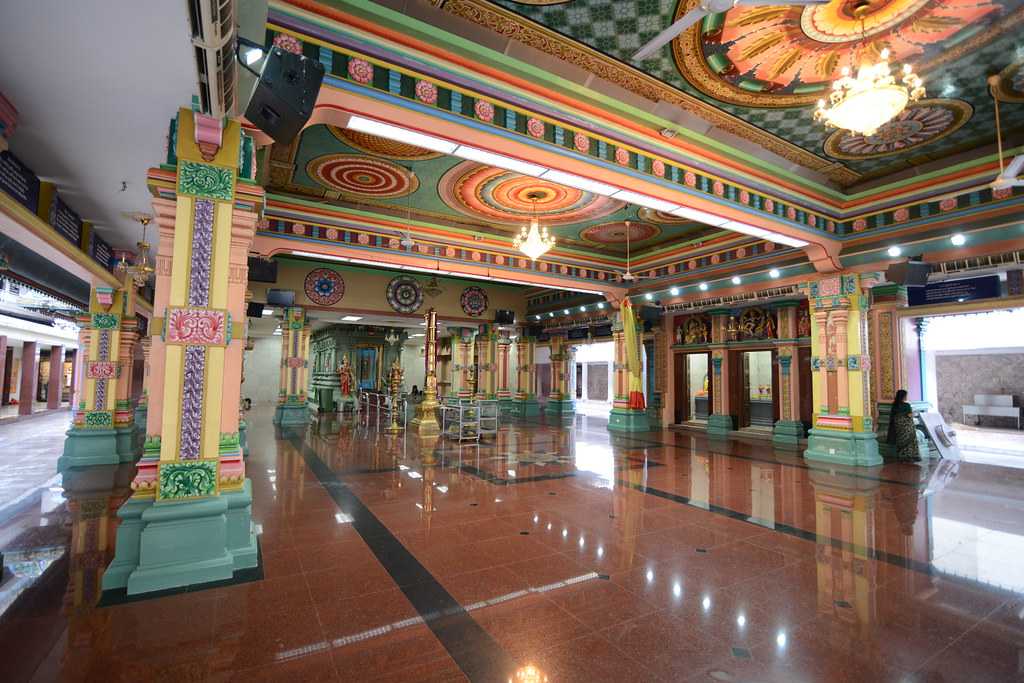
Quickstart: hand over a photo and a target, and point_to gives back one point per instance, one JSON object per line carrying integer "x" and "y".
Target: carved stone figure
{"x": 345, "y": 377}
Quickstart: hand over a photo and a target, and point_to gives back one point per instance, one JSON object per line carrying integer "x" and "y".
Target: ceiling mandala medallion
{"x": 382, "y": 147}
{"x": 360, "y": 176}
{"x": 918, "y": 125}
{"x": 474, "y": 301}
{"x": 503, "y": 197}
{"x": 788, "y": 56}
{"x": 615, "y": 233}
{"x": 404, "y": 294}
{"x": 324, "y": 287}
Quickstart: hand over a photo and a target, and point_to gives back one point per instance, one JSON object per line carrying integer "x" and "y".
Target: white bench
{"x": 993, "y": 405}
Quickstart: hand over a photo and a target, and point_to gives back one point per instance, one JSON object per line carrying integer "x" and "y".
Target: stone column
{"x": 788, "y": 429}
{"x": 54, "y": 384}
{"x": 29, "y": 370}
{"x": 100, "y": 433}
{"x": 291, "y": 402}
{"x": 722, "y": 419}
{"x": 486, "y": 363}
{"x": 843, "y": 430}
{"x": 189, "y": 519}
{"x": 503, "y": 372}
{"x": 526, "y": 379}
{"x": 141, "y": 408}
{"x": 560, "y": 403}
{"x": 629, "y": 410}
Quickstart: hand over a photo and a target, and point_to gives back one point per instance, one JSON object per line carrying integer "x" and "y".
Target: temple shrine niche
{"x": 361, "y": 354}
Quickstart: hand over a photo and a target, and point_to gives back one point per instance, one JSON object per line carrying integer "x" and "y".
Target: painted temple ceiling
{"x": 768, "y": 65}
{"x": 348, "y": 168}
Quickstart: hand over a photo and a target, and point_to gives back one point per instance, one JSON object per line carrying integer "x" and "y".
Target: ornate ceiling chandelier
{"x": 863, "y": 104}
{"x": 141, "y": 270}
{"x": 533, "y": 240}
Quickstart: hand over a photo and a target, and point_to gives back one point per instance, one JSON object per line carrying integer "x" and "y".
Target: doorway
{"x": 758, "y": 389}
{"x": 693, "y": 387}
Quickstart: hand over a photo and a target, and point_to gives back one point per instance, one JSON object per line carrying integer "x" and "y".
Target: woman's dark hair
{"x": 901, "y": 397}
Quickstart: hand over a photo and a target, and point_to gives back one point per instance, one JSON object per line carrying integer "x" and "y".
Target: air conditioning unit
{"x": 213, "y": 42}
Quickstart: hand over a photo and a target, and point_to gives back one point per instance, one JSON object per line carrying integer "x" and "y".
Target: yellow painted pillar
{"x": 189, "y": 518}
{"x": 722, "y": 419}
{"x": 291, "y": 402}
{"x": 486, "y": 363}
{"x": 843, "y": 430}
{"x": 526, "y": 404}
{"x": 788, "y": 430}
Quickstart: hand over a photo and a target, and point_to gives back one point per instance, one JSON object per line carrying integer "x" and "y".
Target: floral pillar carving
{"x": 526, "y": 380}
{"x": 843, "y": 430}
{"x": 788, "y": 429}
{"x": 722, "y": 420}
{"x": 188, "y": 520}
{"x": 291, "y": 400}
{"x": 102, "y": 432}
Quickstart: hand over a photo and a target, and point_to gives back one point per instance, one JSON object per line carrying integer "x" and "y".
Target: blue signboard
{"x": 18, "y": 180}
{"x": 948, "y": 291}
{"x": 100, "y": 251}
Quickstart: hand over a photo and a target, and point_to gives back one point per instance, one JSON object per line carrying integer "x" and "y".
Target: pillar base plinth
{"x": 526, "y": 407}
{"x": 183, "y": 543}
{"x": 564, "y": 409}
{"x": 506, "y": 406}
{"x": 787, "y": 433}
{"x": 859, "y": 449}
{"x": 128, "y": 446}
{"x": 291, "y": 415}
{"x": 89, "y": 447}
{"x": 425, "y": 422}
{"x": 141, "y": 414}
{"x": 719, "y": 426}
{"x": 628, "y": 420}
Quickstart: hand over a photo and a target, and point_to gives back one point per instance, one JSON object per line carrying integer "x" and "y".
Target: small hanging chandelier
{"x": 533, "y": 240}
{"x": 863, "y": 104}
{"x": 141, "y": 269}
{"x": 391, "y": 338}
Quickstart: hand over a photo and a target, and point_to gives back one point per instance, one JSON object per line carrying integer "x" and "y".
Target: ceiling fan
{"x": 705, "y": 8}
{"x": 1009, "y": 174}
{"x": 629, "y": 276}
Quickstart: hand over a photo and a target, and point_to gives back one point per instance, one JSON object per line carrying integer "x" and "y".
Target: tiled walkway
{"x": 29, "y": 449}
{"x": 554, "y": 554}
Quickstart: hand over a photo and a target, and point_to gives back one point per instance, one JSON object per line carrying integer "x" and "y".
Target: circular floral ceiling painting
{"x": 788, "y": 55}
{"x": 500, "y": 196}
{"x": 405, "y": 294}
{"x": 353, "y": 174}
{"x": 382, "y": 147}
{"x": 324, "y": 287}
{"x": 474, "y": 301}
{"x": 615, "y": 233}
{"x": 922, "y": 123}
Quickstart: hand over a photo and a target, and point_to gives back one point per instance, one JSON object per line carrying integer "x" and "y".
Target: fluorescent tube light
{"x": 418, "y": 269}
{"x": 351, "y": 318}
{"x": 267, "y": 312}
{"x": 786, "y": 239}
{"x": 698, "y": 215}
{"x": 386, "y": 130}
{"x": 644, "y": 200}
{"x": 499, "y": 160}
{"x": 326, "y": 257}
{"x": 746, "y": 229}
{"x": 578, "y": 182}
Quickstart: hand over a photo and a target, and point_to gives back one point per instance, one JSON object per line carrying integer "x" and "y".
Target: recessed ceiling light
{"x": 649, "y": 296}
{"x": 600, "y": 305}
{"x": 566, "y": 311}
{"x": 958, "y": 240}
{"x": 894, "y": 251}
{"x": 736, "y": 279}
{"x": 583, "y": 309}
{"x": 674, "y": 291}
{"x": 551, "y": 314}
{"x": 773, "y": 273}
{"x": 351, "y": 318}
{"x": 537, "y": 317}
{"x": 703, "y": 286}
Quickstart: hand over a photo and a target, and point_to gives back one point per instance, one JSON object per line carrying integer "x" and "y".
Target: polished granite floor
{"x": 553, "y": 554}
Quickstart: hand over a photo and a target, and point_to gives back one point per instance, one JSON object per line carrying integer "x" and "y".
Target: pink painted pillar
{"x": 54, "y": 386}
{"x": 27, "y": 390}
{"x": 243, "y": 226}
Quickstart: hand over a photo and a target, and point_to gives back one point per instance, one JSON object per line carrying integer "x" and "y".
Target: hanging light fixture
{"x": 533, "y": 240}
{"x": 863, "y": 104}
{"x": 391, "y": 338}
{"x": 141, "y": 270}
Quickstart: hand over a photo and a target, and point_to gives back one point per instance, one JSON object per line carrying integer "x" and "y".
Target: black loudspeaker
{"x": 504, "y": 317}
{"x": 283, "y": 98}
{"x": 909, "y": 273}
{"x": 262, "y": 270}
{"x": 254, "y": 309}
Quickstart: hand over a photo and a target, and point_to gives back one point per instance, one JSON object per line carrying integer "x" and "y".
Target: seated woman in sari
{"x": 902, "y": 433}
